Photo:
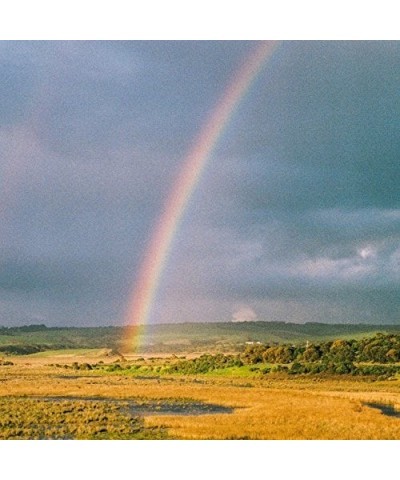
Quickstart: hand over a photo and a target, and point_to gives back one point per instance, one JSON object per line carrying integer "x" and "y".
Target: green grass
{"x": 70, "y": 352}
{"x": 161, "y": 370}
{"x": 246, "y": 371}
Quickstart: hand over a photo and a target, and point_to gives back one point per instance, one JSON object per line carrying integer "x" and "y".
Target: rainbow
{"x": 157, "y": 253}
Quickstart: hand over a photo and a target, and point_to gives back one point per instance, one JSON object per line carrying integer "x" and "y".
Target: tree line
{"x": 380, "y": 348}
{"x": 368, "y": 356}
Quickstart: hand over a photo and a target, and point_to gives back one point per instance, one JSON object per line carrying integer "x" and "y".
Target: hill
{"x": 180, "y": 337}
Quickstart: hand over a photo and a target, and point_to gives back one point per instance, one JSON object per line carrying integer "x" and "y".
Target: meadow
{"x": 101, "y": 394}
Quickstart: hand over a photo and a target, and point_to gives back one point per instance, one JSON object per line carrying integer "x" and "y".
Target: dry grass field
{"x": 269, "y": 407}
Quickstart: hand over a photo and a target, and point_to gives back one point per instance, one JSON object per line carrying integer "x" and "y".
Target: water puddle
{"x": 386, "y": 409}
{"x": 145, "y": 408}
{"x": 176, "y": 408}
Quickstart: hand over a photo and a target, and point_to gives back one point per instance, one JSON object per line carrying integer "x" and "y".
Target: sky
{"x": 296, "y": 217}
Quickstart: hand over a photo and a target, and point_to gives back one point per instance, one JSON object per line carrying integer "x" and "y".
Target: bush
{"x": 204, "y": 364}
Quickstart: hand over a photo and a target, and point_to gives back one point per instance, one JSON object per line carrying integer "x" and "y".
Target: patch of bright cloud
{"x": 244, "y": 314}
{"x": 366, "y": 252}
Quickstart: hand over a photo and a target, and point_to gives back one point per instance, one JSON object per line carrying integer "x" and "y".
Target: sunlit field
{"x": 88, "y": 394}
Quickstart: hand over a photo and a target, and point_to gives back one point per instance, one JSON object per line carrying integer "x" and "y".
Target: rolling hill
{"x": 178, "y": 337}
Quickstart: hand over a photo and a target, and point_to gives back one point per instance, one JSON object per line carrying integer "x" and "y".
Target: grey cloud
{"x": 296, "y": 215}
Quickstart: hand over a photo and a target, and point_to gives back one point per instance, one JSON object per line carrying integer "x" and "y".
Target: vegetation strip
{"x": 146, "y": 407}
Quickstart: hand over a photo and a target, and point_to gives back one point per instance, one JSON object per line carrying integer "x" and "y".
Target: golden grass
{"x": 27, "y": 418}
{"x": 270, "y": 408}
{"x": 271, "y": 414}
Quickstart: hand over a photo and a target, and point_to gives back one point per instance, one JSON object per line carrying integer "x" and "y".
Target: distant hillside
{"x": 179, "y": 337}
{"x": 229, "y": 333}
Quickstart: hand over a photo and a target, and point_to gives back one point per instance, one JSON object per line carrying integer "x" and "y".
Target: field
{"x": 99, "y": 394}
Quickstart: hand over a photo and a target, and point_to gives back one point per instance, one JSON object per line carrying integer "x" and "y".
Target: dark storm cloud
{"x": 329, "y": 121}
{"x": 92, "y": 135}
{"x": 311, "y": 215}
{"x": 296, "y": 216}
